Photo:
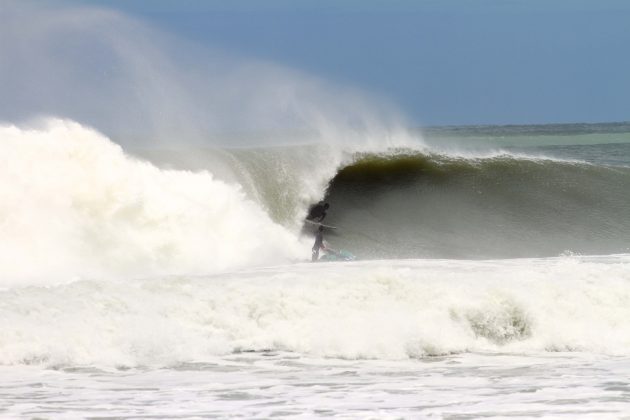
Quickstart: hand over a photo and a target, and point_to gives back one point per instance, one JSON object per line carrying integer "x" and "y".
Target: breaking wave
{"x": 106, "y": 259}
{"x": 74, "y": 205}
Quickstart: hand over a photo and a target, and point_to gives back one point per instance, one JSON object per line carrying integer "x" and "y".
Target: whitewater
{"x": 74, "y": 204}
{"x": 144, "y": 282}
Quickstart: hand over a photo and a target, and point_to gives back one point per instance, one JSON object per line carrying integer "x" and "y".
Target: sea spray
{"x": 147, "y": 88}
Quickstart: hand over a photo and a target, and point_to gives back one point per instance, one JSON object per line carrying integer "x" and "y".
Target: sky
{"x": 447, "y": 62}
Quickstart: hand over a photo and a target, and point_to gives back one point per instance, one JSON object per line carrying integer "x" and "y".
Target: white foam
{"x": 379, "y": 310}
{"x": 277, "y": 384}
{"x": 73, "y": 204}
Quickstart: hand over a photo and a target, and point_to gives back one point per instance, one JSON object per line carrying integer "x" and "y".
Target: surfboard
{"x": 319, "y": 224}
{"x": 341, "y": 255}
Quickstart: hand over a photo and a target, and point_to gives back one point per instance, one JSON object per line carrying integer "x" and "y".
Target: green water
{"x": 530, "y": 135}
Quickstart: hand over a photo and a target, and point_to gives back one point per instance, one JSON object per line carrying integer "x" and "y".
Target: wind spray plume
{"x": 145, "y": 87}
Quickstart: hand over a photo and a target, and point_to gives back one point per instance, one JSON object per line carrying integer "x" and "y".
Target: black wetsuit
{"x": 319, "y": 244}
{"x": 317, "y": 212}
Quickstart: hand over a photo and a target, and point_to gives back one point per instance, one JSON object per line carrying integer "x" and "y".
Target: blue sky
{"x": 442, "y": 62}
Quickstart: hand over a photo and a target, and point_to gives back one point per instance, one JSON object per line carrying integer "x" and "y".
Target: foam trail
{"x": 72, "y": 204}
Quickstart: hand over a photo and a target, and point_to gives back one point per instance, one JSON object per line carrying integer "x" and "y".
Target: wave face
{"x": 373, "y": 310}
{"x": 74, "y": 205}
{"x": 411, "y": 204}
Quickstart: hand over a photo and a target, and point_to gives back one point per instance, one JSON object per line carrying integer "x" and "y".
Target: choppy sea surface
{"x": 276, "y": 384}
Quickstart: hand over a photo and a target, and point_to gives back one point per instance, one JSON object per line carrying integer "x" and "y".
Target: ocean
{"x": 492, "y": 275}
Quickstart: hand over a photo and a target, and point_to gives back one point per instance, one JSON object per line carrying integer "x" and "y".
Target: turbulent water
{"x": 491, "y": 261}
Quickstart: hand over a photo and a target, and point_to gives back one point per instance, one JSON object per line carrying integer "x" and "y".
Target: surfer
{"x": 318, "y": 212}
{"x": 319, "y": 243}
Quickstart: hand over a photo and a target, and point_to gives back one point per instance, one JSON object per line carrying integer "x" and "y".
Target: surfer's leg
{"x": 315, "y": 254}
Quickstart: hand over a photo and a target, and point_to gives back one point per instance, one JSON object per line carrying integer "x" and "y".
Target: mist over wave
{"x": 144, "y": 87}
